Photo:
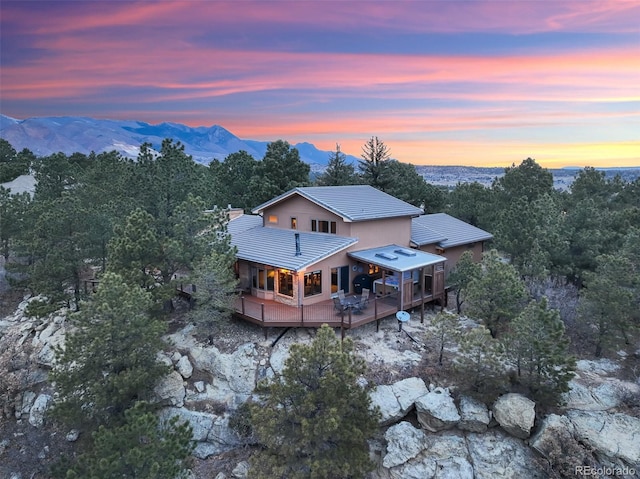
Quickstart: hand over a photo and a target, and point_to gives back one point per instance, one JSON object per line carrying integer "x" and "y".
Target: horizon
{"x": 483, "y": 83}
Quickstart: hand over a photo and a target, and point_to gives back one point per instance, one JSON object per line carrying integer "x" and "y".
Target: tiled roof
{"x": 277, "y": 247}
{"x": 351, "y": 202}
{"x": 447, "y": 231}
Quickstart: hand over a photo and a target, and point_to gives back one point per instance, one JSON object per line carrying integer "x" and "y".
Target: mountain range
{"x": 47, "y": 135}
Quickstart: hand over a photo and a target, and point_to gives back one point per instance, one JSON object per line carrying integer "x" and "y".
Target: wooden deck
{"x": 268, "y": 313}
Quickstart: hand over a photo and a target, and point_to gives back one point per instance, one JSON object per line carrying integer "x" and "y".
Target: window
{"x": 285, "y": 283}
{"x": 294, "y": 223}
{"x": 262, "y": 278}
{"x": 272, "y": 219}
{"x": 313, "y": 283}
{"x": 324, "y": 226}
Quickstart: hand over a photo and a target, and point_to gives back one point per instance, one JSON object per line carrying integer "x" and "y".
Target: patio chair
{"x": 341, "y": 295}
{"x": 365, "y": 295}
{"x": 338, "y": 305}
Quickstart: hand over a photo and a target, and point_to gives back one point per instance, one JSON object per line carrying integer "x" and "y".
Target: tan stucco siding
{"x": 381, "y": 232}
{"x": 304, "y": 211}
{"x": 454, "y": 253}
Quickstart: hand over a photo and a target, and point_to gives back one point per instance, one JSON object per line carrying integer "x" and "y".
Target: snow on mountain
{"x": 47, "y": 135}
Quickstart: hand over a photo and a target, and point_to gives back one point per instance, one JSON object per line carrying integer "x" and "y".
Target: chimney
{"x": 298, "y": 253}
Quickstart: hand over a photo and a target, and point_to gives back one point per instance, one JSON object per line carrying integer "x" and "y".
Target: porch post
{"x": 302, "y": 315}
{"x": 421, "y": 275}
{"x": 262, "y": 317}
{"x": 242, "y": 303}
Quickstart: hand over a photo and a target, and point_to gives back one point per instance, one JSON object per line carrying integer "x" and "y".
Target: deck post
{"x": 302, "y": 315}
{"x": 242, "y": 303}
{"x": 349, "y": 318}
{"x": 262, "y": 318}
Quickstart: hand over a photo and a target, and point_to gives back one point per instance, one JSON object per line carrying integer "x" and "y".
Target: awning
{"x": 397, "y": 258}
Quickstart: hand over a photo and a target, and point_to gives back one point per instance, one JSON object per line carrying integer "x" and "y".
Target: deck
{"x": 268, "y": 313}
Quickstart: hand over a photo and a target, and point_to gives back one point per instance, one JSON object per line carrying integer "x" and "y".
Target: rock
{"x": 495, "y": 454}
{"x": 474, "y": 415}
{"x": 241, "y": 471}
{"x": 515, "y": 414}
{"x": 170, "y": 390}
{"x": 598, "y": 394}
{"x": 46, "y": 356}
{"x": 28, "y": 398}
{"x": 162, "y": 358}
{"x": 384, "y": 398}
{"x": 199, "y": 385}
{"x": 37, "y": 412}
{"x": 72, "y": 436}
{"x": 200, "y": 422}
{"x": 175, "y": 357}
{"x": 204, "y": 450}
{"x": 184, "y": 367}
{"x": 407, "y": 391}
{"x": 436, "y": 410}
{"x": 444, "y": 456}
{"x": 404, "y": 442}
{"x": 614, "y": 436}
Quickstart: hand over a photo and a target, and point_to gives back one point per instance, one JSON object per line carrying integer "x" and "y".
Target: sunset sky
{"x": 480, "y": 83}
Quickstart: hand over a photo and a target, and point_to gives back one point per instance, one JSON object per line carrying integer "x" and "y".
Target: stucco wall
{"x": 304, "y": 211}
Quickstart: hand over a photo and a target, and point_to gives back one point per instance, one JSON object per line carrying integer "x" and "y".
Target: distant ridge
{"x": 48, "y": 135}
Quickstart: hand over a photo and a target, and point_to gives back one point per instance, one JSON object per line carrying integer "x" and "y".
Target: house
{"x": 297, "y": 251}
{"x": 442, "y": 234}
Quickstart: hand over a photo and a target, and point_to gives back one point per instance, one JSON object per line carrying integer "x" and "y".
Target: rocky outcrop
{"x": 170, "y": 390}
{"x": 396, "y": 400}
{"x": 437, "y": 411}
{"x": 615, "y": 437}
{"x": 474, "y": 415}
{"x": 413, "y": 454}
{"x": 38, "y": 410}
{"x": 515, "y": 414}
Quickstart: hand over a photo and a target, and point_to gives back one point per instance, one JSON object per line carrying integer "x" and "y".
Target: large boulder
{"x": 437, "y": 411}
{"x": 386, "y": 401}
{"x": 495, "y": 454}
{"x": 515, "y": 414}
{"x": 170, "y": 390}
{"x": 38, "y": 410}
{"x": 613, "y": 436}
{"x": 396, "y": 400}
{"x": 404, "y": 442}
{"x": 184, "y": 367}
{"x": 474, "y": 415}
{"x": 443, "y": 456}
{"x": 407, "y": 391}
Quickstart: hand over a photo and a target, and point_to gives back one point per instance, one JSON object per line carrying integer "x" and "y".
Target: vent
{"x": 405, "y": 252}
{"x": 387, "y": 256}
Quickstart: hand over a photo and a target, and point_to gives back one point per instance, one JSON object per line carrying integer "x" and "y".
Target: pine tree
{"x": 373, "y": 165}
{"x": 480, "y": 365}
{"x": 141, "y": 448}
{"x": 497, "y": 295}
{"x": 539, "y": 351}
{"x": 464, "y": 272}
{"x": 338, "y": 171}
{"x": 447, "y": 331}
{"x": 109, "y": 360}
{"x": 316, "y": 418}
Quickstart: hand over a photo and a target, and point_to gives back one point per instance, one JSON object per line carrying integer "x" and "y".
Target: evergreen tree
{"x": 316, "y": 418}
{"x": 465, "y": 271}
{"x": 472, "y": 203}
{"x": 13, "y": 164}
{"x": 404, "y": 182}
{"x": 230, "y": 179}
{"x": 446, "y": 327}
{"x": 338, "y": 171}
{"x": 13, "y": 216}
{"x": 374, "y": 163}
{"x": 280, "y": 170}
{"x": 609, "y": 302}
{"x": 215, "y": 283}
{"x": 539, "y": 351}
{"x": 497, "y": 295}
{"x": 141, "y": 448}
{"x": 480, "y": 365}
{"x": 109, "y": 359}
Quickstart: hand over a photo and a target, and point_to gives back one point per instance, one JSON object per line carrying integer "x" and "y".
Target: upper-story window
{"x": 272, "y": 219}
{"x": 294, "y": 223}
{"x": 323, "y": 226}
